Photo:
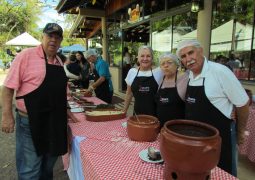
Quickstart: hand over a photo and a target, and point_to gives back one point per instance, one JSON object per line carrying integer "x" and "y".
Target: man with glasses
{"x": 39, "y": 82}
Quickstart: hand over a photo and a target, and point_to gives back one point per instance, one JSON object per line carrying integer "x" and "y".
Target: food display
{"x": 99, "y": 115}
{"x": 87, "y": 94}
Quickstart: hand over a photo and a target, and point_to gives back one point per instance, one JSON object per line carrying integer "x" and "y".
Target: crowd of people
{"x": 206, "y": 92}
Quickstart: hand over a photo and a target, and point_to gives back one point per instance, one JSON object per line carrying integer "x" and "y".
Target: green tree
{"x": 17, "y": 16}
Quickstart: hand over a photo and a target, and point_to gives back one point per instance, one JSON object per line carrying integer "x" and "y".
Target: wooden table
{"x": 102, "y": 150}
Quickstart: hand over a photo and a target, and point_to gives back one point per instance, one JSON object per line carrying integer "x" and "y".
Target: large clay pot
{"x": 249, "y": 93}
{"x": 143, "y": 128}
{"x": 190, "y": 149}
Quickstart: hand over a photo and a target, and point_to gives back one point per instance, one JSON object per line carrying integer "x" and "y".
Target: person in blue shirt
{"x": 102, "y": 84}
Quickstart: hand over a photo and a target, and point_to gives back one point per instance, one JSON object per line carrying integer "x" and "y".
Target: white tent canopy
{"x": 222, "y": 37}
{"x": 24, "y": 39}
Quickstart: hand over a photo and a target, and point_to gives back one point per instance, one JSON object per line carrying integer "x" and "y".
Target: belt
{"x": 24, "y": 114}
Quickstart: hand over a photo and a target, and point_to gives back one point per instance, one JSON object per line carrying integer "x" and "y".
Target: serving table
{"x": 102, "y": 150}
{"x": 248, "y": 147}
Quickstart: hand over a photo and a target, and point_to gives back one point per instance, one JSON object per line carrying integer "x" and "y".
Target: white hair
{"x": 187, "y": 43}
{"x": 145, "y": 47}
{"x": 171, "y": 56}
{"x": 90, "y": 52}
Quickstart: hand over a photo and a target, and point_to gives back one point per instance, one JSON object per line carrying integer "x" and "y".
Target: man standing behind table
{"x": 211, "y": 95}
{"x": 40, "y": 83}
{"x": 102, "y": 82}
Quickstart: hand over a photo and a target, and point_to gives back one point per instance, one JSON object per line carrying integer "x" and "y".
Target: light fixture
{"x": 197, "y": 5}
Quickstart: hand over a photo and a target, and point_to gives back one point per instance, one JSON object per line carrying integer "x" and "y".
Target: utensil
{"x": 136, "y": 117}
{"x": 76, "y": 98}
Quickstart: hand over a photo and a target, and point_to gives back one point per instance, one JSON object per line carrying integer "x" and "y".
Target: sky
{"x": 50, "y": 14}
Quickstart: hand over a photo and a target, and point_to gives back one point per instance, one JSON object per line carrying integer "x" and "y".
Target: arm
{"x": 242, "y": 116}
{"x": 97, "y": 83}
{"x": 128, "y": 98}
{"x": 7, "y": 116}
{"x": 70, "y": 75}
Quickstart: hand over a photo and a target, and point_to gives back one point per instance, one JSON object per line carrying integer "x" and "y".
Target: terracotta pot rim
{"x": 134, "y": 119}
{"x": 192, "y": 122}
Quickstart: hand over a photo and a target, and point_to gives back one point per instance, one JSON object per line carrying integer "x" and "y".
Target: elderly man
{"x": 102, "y": 82}
{"x": 212, "y": 93}
{"x": 39, "y": 80}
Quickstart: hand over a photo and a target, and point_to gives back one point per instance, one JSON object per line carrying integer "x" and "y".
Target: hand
{"x": 91, "y": 88}
{"x": 241, "y": 137}
{"x": 8, "y": 123}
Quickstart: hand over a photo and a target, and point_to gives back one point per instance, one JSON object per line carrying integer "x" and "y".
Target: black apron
{"x": 199, "y": 108}
{"x": 144, "y": 90}
{"x": 102, "y": 91}
{"x": 169, "y": 104}
{"x": 47, "y": 111}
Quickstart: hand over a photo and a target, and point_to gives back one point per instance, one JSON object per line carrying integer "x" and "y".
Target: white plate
{"x": 144, "y": 156}
{"x": 124, "y": 124}
{"x": 72, "y": 106}
{"x": 76, "y": 110}
{"x": 71, "y": 102}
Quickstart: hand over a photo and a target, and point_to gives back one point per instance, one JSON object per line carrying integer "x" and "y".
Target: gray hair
{"x": 90, "y": 52}
{"x": 145, "y": 47}
{"x": 171, "y": 56}
{"x": 187, "y": 43}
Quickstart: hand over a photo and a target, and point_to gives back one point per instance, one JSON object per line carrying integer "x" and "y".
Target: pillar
{"x": 204, "y": 26}
{"x": 104, "y": 39}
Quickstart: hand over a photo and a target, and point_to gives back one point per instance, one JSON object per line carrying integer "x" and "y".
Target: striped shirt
{"x": 27, "y": 73}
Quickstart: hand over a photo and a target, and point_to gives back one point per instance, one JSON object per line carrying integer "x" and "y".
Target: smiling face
{"x": 192, "y": 58}
{"x": 78, "y": 56}
{"x": 51, "y": 43}
{"x": 145, "y": 59}
{"x": 168, "y": 66}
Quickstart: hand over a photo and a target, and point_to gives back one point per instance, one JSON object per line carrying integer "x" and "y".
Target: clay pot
{"x": 190, "y": 149}
{"x": 143, "y": 128}
{"x": 249, "y": 93}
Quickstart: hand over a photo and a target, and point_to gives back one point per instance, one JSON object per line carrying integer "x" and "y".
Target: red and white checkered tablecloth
{"x": 248, "y": 147}
{"x": 107, "y": 153}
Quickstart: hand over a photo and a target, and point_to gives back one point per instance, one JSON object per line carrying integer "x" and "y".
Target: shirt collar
{"x": 203, "y": 72}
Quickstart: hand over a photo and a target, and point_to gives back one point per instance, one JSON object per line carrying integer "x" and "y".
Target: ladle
{"x": 136, "y": 117}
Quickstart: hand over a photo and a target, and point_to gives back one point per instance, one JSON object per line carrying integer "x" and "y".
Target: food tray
{"x": 101, "y": 118}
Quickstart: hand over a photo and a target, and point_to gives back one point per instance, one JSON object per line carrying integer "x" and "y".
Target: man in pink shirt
{"x": 39, "y": 80}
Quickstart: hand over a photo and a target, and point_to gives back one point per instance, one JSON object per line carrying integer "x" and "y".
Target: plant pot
{"x": 190, "y": 149}
{"x": 143, "y": 128}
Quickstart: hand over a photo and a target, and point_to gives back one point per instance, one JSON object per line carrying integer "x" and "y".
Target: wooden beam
{"x": 91, "y": 12}
{"x": 97, "y": 27}
{"x": 76, "y": 24}
{"x": 114, "y": 6}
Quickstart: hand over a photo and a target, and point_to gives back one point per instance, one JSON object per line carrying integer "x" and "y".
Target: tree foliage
{"x": 16, "y": 17}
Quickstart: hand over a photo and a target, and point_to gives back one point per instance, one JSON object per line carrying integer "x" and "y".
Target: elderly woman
{"x": 171, "y": 93}
{"x": 142, "y": 83}
{"x": 102, "y": 84}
